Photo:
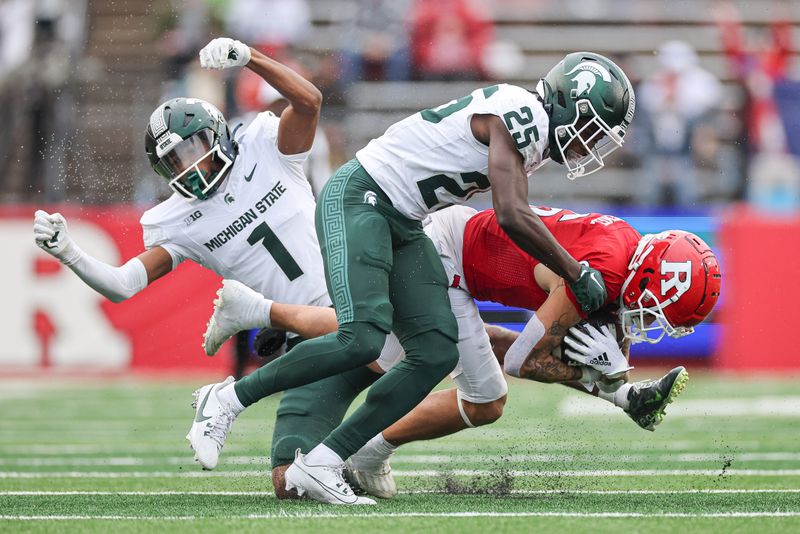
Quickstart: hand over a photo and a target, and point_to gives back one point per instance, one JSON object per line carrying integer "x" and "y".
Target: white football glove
{"x": 598, "y": 350}
{"x": 50, "y": 234}
{"x": 224, "y": 53}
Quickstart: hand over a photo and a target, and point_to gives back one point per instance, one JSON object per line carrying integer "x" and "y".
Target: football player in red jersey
{"x": 661, "y": 284}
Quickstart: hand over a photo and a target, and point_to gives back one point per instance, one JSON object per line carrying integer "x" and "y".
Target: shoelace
{"x": 341, "y": 483}
{"x": 221, "y": 424}
{"x": 196, "y": 396}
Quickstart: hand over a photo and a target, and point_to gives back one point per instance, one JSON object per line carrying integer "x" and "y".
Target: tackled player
{"x": 660, "y": 284}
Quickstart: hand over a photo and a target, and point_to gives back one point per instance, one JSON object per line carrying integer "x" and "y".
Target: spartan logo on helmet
{"x": 590, "y": 104}
{"x": 586, "y": 74}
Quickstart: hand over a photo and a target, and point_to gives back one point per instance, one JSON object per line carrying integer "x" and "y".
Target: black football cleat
{"x": 649, "y": 399}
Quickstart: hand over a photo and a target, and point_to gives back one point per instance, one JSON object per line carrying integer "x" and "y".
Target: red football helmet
{"x": 673, "y": 283}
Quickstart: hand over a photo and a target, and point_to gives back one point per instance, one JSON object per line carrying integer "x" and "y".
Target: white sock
{"x": 256, "y": 314}
{"x": 373, "y": 453}
{"x": 621, "y": 397}
{"x": 606, "y": 396}
{"x": 227, "y": 395}
{"x": 323, "y": 455}
{"x": 618, "y": 397}
{"x": 380, "y": 447}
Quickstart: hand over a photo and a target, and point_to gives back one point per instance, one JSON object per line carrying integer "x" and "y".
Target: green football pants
{"x": 383, "y": 273}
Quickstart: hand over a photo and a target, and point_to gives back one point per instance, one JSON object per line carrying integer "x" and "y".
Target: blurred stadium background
{"x": 713, "y": 147}
{"x": 95, "y": 395}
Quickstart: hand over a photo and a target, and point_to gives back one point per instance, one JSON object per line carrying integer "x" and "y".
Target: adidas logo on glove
{"x": 600, "y": 360}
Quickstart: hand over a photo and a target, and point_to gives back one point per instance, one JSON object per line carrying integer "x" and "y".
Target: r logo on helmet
{"x": 681, "y": 279}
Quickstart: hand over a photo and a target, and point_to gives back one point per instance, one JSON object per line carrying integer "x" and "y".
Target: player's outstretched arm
{"x": 530, "y": 356}
{"x": 306, "y": 321}
{"x": 510, "y": 200}
{"x": 298, "y": 121}
{"x": 115, "y": 283}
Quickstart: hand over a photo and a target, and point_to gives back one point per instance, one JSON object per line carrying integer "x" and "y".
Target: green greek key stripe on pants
{"x": 335, "y": 240}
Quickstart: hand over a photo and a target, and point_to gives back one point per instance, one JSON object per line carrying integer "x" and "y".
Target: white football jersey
{"x": 431, "y": 159}
{"x": 257, "y": 228}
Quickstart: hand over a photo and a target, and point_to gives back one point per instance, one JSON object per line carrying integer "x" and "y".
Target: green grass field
{"x": 102, "y": 455}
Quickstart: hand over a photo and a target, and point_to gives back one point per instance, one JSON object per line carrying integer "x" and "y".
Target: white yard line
{"x": 765, "y": 406}
{"x": 412, "y": 473}
{"x": 397, "y": 515}
{"x": 72, "y": 493}
{"x": 416, "y": 459}
{"x": 168, "y": 446}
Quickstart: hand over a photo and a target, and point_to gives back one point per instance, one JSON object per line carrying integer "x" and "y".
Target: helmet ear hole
{"x": 562, "y": 102}
{"x": 643, "y": 283}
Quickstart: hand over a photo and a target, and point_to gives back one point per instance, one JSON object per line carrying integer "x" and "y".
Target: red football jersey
{"x": 496, "y": 269}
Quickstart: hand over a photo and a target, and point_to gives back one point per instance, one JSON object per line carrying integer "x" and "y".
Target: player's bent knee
{"x": 486, "y": 413}
{"x": 438, "y": 351}
{"x": 279, "y": 483}
{"x": 361, "y": 341}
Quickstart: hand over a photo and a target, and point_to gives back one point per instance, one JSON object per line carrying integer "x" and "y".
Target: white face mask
{"x": 595, "y": 140}
{"x": 183, "y": 163}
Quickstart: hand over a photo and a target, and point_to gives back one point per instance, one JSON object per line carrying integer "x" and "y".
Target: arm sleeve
{"x": 114, "y": 283}
{"x": 519, "y": 350}
{"x": 155, "y": 236}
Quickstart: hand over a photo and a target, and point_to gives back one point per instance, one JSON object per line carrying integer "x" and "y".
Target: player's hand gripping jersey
{"x": 257, "y": 229}
{"x": 496, "y": 269}
{"x": 431, "y": 159}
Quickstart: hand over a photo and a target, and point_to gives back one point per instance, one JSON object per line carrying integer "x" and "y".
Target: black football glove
{"x": 589, "y": 289}
{"x": 268, "y": 342}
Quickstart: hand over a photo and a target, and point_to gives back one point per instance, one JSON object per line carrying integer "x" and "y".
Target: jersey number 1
{"x": 285, "y": 261}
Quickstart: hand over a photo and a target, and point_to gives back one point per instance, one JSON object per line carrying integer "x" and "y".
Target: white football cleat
{"x": 372, "y": 477}
{"x": 233, "y": 312}
{"x": 212, "y": 422}
{"x": 323, "y": 483}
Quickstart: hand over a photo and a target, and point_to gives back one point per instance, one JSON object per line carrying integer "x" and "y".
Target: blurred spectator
{"x": 449, "y": 39}
{"x": 268, "y": 24}
{"x": 375, "y": 44}
{"x": 774, "y": 177}
{"x": 503, "y": 60}
{"x": 40, "y": 42}
{"x": 185, "y": 28}
{"x": 271, "y": 26}
{"x": 677, "y": 100}
{"x": 16, "y": 34}
{"x": 16, "y": 42}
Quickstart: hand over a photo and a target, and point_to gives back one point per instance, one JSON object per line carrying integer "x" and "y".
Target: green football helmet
{"x": 188, "y": 143}
{"x": 590, "y": 103}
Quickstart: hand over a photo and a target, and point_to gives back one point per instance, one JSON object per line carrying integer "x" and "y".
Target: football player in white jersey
{"x": 232, "y": 197}
{"x": 241, "y": 206}
{"x": 383, "y": 272}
